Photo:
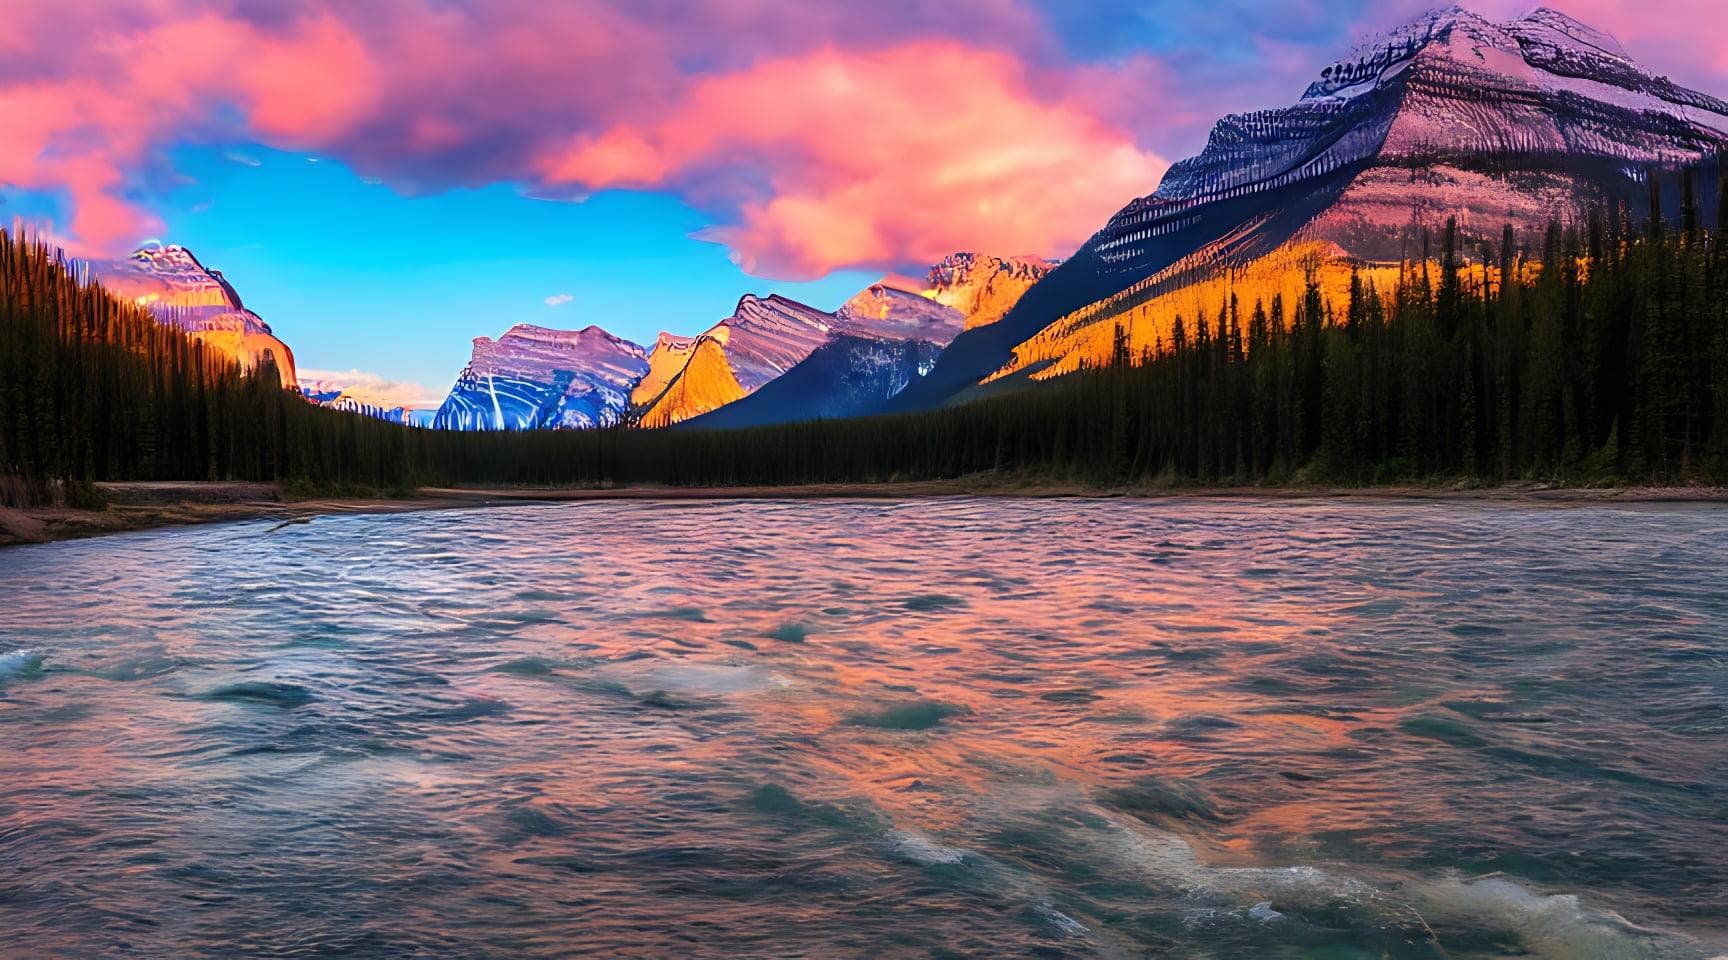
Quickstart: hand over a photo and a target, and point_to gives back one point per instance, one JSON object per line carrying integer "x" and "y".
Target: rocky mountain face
{"x": 181, "y": 292}
{"x": 1451, "y": 115}
{"x": 856, "y": 357}
{"x": 982, "y": 287}
{"x": 536, "y": 378}
{"x": 842, "y": 378}
{"x": 762, "y": 339}
{"x": 771, "y": 338}
{"x": 666, "y": 360}
{"x": 894, "y": 308}
{"x": 702, "y": 382}
{"x": 767, "y": 336}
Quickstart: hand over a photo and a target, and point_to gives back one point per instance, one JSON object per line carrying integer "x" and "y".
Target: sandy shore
{"x": 140, "y": 506}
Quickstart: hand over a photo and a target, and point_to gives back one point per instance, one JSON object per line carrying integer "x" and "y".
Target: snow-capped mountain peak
{"x": 536, "y": 377}
{"x": 1545, "y": 23}
{"x": 983, "y": 287}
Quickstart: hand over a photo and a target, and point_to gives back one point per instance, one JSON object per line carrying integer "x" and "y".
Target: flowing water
{"x": 951, "y": 728}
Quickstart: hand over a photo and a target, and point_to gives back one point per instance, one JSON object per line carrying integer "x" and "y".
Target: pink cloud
{"x": 126, "y": 94}
{"x": 426, "y": 95}
{"x": 817, "y": 134}
{"x": 880, "y": 158}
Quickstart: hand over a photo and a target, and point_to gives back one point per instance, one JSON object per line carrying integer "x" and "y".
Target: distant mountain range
{"x": 1449, "y": 116}
{"x": 835, "y": 364}
{"x": 338, "y": 397}
{"x": 536, "y": 378}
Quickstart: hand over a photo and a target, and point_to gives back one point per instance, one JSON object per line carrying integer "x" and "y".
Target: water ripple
{"x": 954, "y": 727}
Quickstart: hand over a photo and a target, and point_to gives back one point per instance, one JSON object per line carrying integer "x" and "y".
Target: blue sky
{"x": 351, "y": 273}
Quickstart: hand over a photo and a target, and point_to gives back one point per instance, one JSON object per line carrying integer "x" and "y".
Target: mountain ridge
{"x": 1448, "y": 115}
{"x": 181, "y": 292}
{"x": 770, "y": 337}
{"x": 535, "y": 377}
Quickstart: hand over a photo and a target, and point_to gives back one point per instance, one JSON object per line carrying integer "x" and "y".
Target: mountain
{"x": 666, "y": 361}
{"x": 848, "y": 375}
{"x": 763, "y": 338}
{"x": 702, "y": 381}
{"x": 181, "y": 292}
{"x": 881, "y": 339}
{"x": 896, "y": 308}
{"x": 367, "y": 394}
{"x": 767, "y": 337}
{"x": 964, "y": 291}
{"x": 536, "y": 378}
{"x": 983, "y": 288}
{"x": 770, "y": 337}
{"x": 1451, "y": 115}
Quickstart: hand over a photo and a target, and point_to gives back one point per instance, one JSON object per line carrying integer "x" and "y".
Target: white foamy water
{"x": 14, "y": 662}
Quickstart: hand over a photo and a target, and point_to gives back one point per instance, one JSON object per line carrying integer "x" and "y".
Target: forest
{"x": 1595, "y": 353}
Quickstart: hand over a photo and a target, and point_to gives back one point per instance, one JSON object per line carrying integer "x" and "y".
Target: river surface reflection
{"x": 942, "y": 728}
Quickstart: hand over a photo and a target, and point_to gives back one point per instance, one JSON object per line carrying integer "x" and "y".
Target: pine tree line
{"x": 93, "y": 388}
{"x": 1602, "y": 357}
{"x": 1596, "y": 352}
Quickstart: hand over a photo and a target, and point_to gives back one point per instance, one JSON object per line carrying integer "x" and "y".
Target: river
{"x": 940, "y": 728}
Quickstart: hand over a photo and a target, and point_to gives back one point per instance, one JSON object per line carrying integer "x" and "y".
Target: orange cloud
{"x": 878, "y": 159}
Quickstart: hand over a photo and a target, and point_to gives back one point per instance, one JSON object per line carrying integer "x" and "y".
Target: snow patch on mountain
{"x": 338, "y": 400}
{"x": 538, "y": 378}
{"x": 170, "y": 282}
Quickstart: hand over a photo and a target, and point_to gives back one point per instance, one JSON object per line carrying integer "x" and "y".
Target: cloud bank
{"x": 370, "y": 388}
{"x": 818, "y": 135}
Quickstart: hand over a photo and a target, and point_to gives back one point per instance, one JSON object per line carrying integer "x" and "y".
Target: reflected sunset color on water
{"x": 1063, "y": 728}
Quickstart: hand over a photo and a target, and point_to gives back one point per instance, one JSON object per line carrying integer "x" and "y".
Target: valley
{"x": 921, "y": 481}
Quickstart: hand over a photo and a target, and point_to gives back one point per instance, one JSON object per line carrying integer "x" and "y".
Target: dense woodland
{"x": 93, "y": 388}
{"x": 1595, "y": 353}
